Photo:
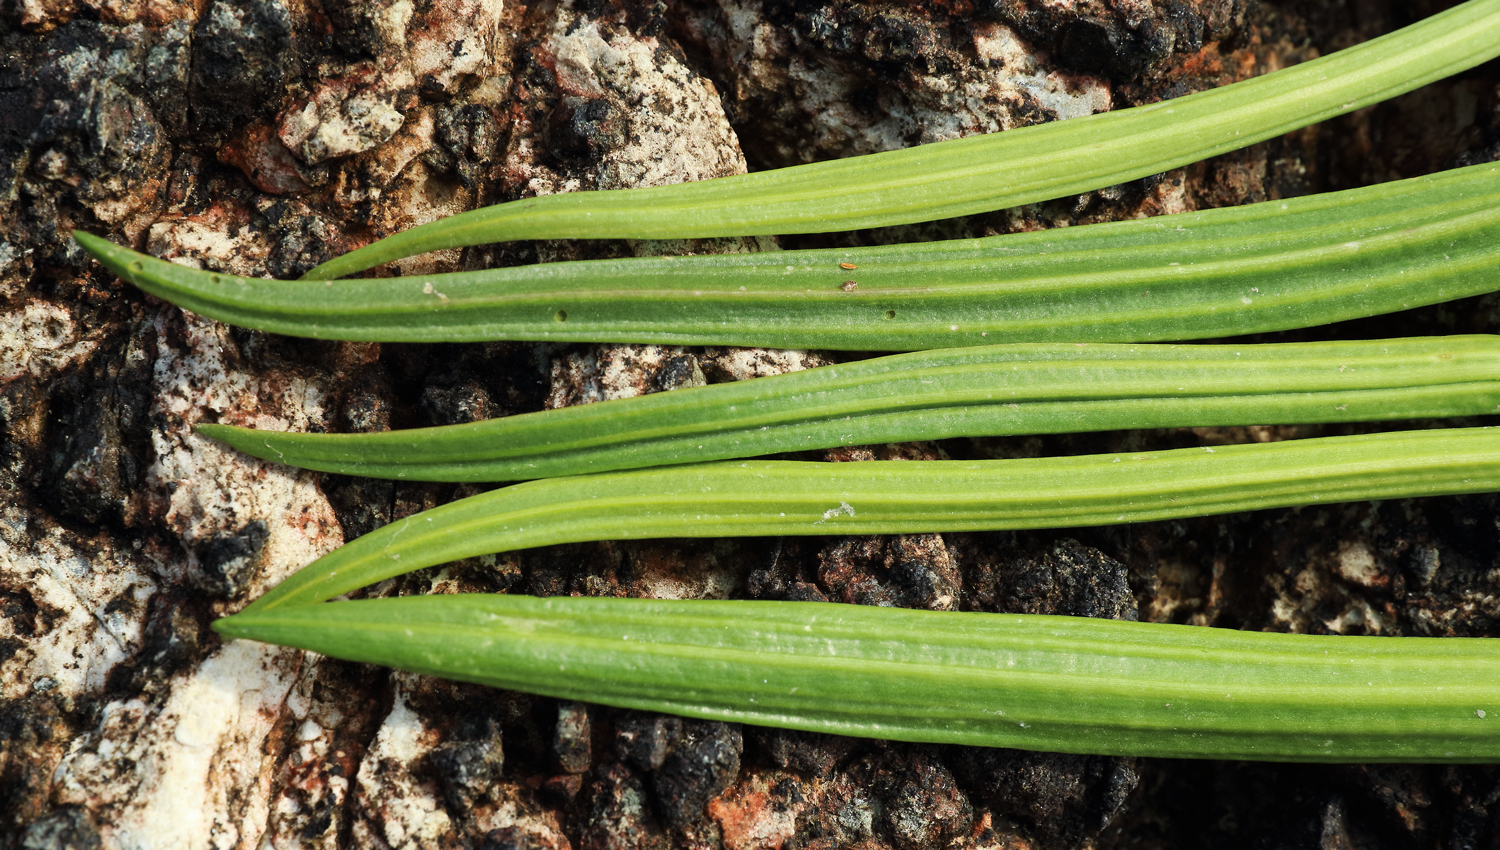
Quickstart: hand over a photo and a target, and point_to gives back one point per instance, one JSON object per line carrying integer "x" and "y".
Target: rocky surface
{"x": 263, "y": 136}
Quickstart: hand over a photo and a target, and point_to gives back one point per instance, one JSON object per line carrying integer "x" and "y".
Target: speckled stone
{"x": 261, "y": 137}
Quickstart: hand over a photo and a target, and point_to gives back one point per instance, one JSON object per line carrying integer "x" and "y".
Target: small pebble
{"x": 571, "y": 740}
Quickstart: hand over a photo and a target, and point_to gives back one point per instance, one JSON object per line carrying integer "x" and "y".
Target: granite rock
{"x": 260, "y": 138}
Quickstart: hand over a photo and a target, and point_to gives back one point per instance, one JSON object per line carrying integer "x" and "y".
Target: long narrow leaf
{"x": 1067, "y": 684}
{"x": 751, "y": 498}
{"x": 990, "y": 390}
{"x": 981, "y": 173}
{"x": 1269, "y": 266}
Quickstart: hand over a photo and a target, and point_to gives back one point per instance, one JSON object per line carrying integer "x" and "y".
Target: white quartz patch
{"x": 194, "y": 772}
{"x": 91, "y": 602}
{"x": 39, "y": 340}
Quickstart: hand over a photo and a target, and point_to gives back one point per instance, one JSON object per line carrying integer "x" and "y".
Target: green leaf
{"x": 990, "y": 390}
{"x": 1064, "y": 684}
{"x": 1269, "y": 266}
{"x": 981, "y": 173}
{"x": 750, "y": 498}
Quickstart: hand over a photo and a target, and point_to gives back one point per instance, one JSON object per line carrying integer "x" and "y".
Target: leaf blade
{"x": 731, "y": 499}
{"x": 981, "y": 173}
{"x": 1063, "y": 684}
{"x": 1264, "y": 267}
{"x": 970, "y": 392}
